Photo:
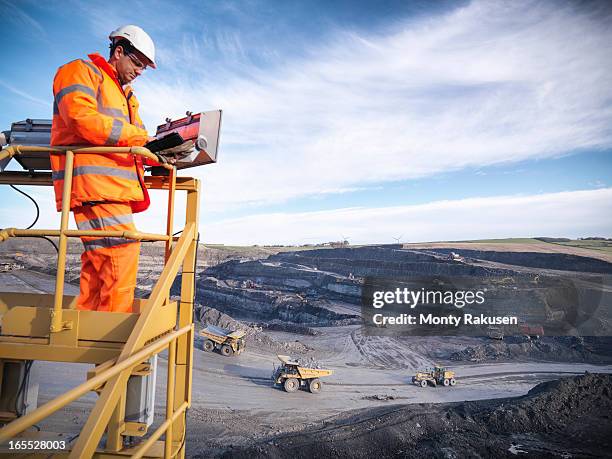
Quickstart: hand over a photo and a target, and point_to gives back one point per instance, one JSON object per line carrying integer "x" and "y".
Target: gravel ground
{"x": 564, "y": 418}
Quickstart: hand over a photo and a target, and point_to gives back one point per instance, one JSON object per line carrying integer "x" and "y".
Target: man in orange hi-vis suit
{"x": 95, "y": 106}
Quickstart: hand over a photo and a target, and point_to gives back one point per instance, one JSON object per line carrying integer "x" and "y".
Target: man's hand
{"x": 164, "y": 159}
{"x": 160, "y": 158}
{"x": 175, "y": 154}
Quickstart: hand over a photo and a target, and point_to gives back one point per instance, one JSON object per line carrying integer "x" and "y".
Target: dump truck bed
{"x": 221, "y": 332}
{"x": 304, "y": 372}
{"x": 237, "y": 334}
{"x": 308, "y": 373}
{"x": 218, "y": 331}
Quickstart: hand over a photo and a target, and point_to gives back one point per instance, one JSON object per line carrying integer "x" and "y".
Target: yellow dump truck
{"x": 291, "y": 375}
{"x": 226, "y": 341}
{"x": 436, "y": 375}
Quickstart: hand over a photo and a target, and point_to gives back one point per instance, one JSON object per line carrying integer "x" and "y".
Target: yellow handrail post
{"x": 184, "y": 363}
{"x": 98, "y": 419}
{"x": 170, "y": 221}
{"x": 170, "y": 217}
{"x": 56, "y": 312}
{"x": 170, "y": 398}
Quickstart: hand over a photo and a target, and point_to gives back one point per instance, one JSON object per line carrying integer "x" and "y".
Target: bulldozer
{"x": 226, "y": 341}
{"x": 434, "y": 376}
{"x": 291, "y": 375}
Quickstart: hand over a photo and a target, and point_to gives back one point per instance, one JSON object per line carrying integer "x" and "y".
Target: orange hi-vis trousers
{"x": 108, "y": 265}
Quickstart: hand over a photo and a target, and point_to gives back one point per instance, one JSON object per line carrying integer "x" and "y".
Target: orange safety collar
{"x": 108, "y": 69}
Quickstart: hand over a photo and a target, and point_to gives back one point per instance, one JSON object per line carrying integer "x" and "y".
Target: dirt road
{"x": 234, "y": 403}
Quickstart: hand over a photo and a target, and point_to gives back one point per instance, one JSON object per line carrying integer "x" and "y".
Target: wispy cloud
{"x": 488, "y": 83}
{"x": 10, "y": 11}
{"x": 25, "y": 95}
{"x": 568, "y": 214}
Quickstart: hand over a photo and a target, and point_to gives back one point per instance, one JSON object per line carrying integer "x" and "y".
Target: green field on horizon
{"x": 511, "y": 240}
{"x": 597, "y": 244}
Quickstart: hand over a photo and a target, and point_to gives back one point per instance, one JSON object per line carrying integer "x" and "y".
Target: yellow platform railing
{"x": 63, "y": 233}
{"x": 109, "y": 409}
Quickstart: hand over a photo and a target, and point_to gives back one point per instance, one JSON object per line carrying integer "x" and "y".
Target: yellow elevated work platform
{"x": 48, "y": 327}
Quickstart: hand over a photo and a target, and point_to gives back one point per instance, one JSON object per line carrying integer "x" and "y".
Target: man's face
{"x": 129, "y": 66}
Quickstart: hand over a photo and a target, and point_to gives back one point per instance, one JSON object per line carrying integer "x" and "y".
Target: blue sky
{"x": 457, "y": 120}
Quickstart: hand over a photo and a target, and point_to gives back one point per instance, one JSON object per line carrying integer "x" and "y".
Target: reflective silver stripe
{"x": 103, "y": 170}
{"x": 114, "y": 112}
{"x": 74, "y": 88}
{"x": 110, "y": 111}
{"x": 115, "y": 134}
{"x": 55, "y": 109}
{"x": 103, "y": 222}
{"x": 97, "y": 170}
{"x": 141, "y": 126}
{"x": 107, "y": 243}
{"x": 92, "y": 67}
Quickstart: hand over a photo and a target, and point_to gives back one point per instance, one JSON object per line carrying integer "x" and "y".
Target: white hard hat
{"x": 137, "y": 37}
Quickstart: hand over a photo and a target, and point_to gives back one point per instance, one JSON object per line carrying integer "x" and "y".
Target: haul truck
{"x": 291, "y": 376}
{"x": 226, "y": 341}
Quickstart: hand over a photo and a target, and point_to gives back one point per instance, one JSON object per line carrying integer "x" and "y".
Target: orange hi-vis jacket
{"x": 90, "y": 109}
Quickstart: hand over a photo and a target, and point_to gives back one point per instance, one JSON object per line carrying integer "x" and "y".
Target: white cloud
{"x": 568, "y": 214}
{"x": 489, "y": 83}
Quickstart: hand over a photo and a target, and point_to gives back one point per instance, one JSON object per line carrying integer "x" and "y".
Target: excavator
{"x": 120, "y": 348}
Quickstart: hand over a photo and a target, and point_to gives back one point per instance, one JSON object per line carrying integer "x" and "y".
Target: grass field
{"x": 512, "y": 240}
{"x": 604, "y": 246}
